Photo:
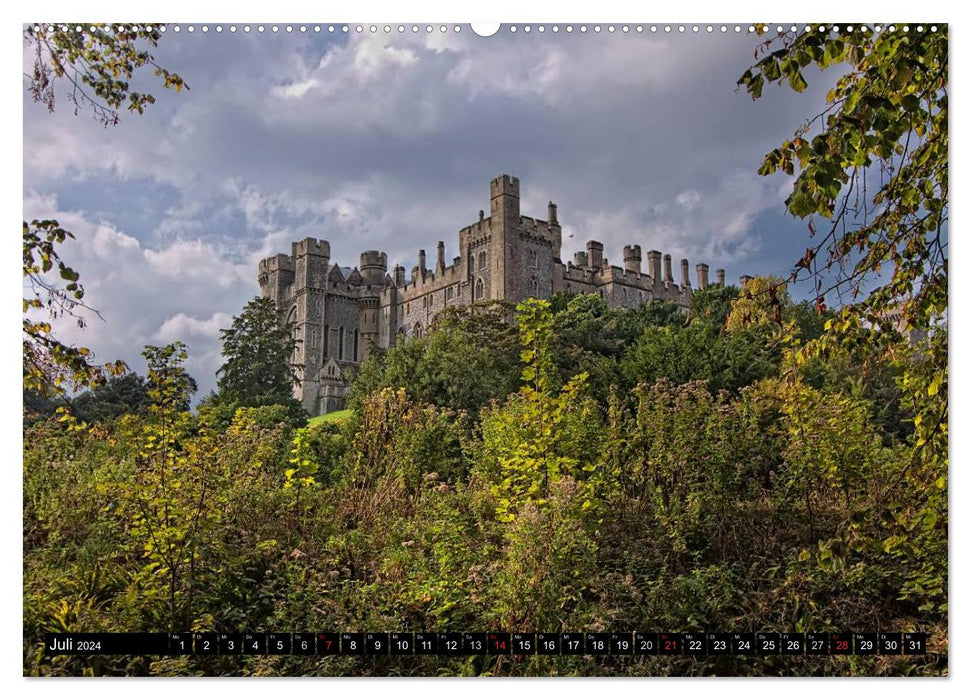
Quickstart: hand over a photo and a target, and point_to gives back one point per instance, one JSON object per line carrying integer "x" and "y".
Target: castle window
{"x": 355, "y": 344}
{"x": 479, "y": 289}
{"x": 417, "y": 332}
{"x": 326, "y": 341}
{"x": 340, "y": 344}
{"x": 482, "y": 260}
{"x": 534, "y": 288}
{"x": 533, "y": 259}
{"x": 449, "y": 292}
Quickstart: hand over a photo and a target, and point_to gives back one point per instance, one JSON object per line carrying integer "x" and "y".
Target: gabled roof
{"x": 335, "y": 274}
{"x": 355, "y": 277}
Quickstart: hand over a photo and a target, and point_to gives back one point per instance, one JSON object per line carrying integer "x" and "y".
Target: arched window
{"x": 417, "y": 331}
{"x": 482, "y": 260}
{"x": 533, "y": 288}
{"x": 533, "y": 258}
{"x": 479, "y": 289}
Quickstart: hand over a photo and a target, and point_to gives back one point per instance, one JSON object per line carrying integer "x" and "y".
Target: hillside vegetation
{"x": 584, "y": 469}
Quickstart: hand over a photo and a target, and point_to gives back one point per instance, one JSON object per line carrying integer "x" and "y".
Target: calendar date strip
{"x": 492, "y": 644}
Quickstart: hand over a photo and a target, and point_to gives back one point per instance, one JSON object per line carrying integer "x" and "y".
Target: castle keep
{"x": 336, "y": 311}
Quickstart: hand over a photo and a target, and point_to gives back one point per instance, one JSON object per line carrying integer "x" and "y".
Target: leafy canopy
{"x": 876, "y": 169}
{"x": 98, "y": 63}
{"x": 259, "y": 349}
{"x": 873, "y": 166}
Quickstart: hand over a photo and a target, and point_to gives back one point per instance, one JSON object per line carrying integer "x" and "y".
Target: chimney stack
{"x": 702, "y": 275}
{"x": 654, "y": 265}
{"x": 551, "y": 213}
{"x": 595, "y": 254}
{"x": 720, "y": 277}
{"x": 685, "y": 282}
{"x": 668, "y": 277}
{"x": 440, "y": 265}
{"x": 421, "y": 261}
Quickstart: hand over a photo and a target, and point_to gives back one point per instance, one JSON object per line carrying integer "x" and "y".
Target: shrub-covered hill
{"x": 590, "y": 470}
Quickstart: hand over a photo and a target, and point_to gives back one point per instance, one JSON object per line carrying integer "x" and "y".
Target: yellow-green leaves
{"x": 100, "y": 66}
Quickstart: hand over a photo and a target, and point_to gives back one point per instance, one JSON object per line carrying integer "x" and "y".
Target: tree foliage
{"x": 875, "y": 172}
{"x": 98, "y": 63}
{"x": 258, "y": 349}
{"x": 51, "y": 366}
{"x": 873, "y": 168}
{"x": 118, "y": 396}
{"x": 468, "y": 357}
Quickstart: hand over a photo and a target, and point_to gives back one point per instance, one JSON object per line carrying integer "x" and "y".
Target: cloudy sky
{"x": 388, "y": 141}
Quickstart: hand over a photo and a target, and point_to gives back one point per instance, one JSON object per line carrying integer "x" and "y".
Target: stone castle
{"x": 337, "y": 312}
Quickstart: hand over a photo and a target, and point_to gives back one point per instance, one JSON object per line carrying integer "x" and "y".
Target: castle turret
{"x": 367, "y": 327}
{"x": 720, "y": 277}
{"x": 632, "y": 258}
{"x": 579, "y": 259}
{"x": 685, "y": 282}
{"x": 276, "y": 276}
{"x": 504, "y": 209}
{"x": 654, "y": 265}
{"x": 702, "y": 275}
{"x": 374, "y": 266}
{"x": 595, "y": 254}
{"x": 745, "y": 279}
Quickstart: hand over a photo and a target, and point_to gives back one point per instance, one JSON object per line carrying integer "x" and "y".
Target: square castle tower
{"x": 338, "y": 312}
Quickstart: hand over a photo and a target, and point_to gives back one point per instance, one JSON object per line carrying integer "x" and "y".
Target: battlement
{"x": 310, "y": 246}
{"x": 504, "y": 185}
{"x": 374, "y": 258}
{"x": 276, "y": 263}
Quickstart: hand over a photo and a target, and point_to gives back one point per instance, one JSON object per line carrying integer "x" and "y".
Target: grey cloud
{"x": 389, "y": 142}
